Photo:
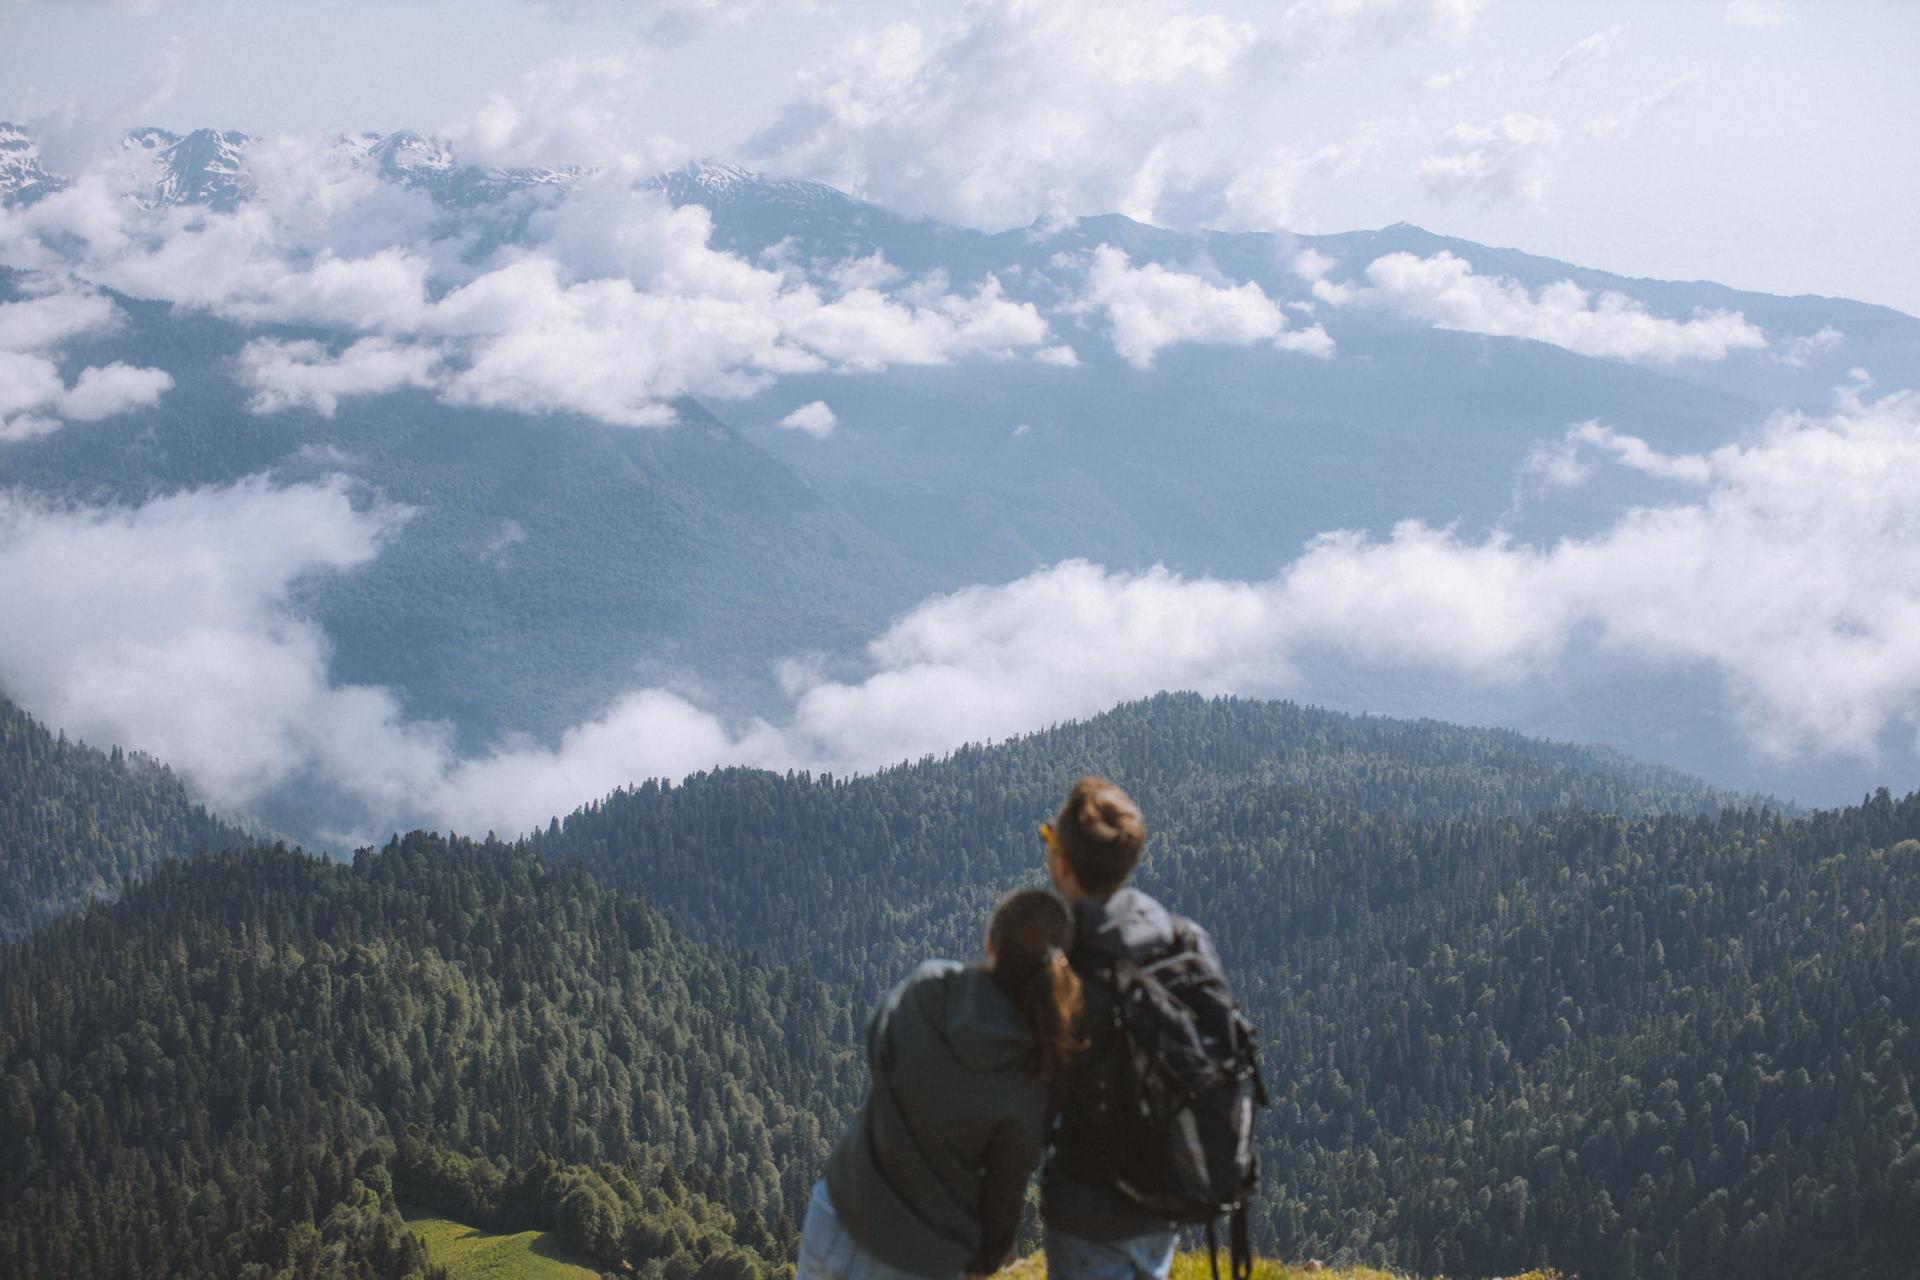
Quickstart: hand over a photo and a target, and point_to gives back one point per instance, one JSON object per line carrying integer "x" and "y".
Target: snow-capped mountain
{"x": 212, "y": 168}
{"x": 715, "y": 183}
{"x": 207, "y": 166}
{"x": 22, "y": 177}
{"x": 426, "y": 164}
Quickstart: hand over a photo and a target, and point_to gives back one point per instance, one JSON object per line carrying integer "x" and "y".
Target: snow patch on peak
{"x": 409, "y": 152}
{"x": 718, "y": 176}
{"x": 23, "y": 178}
{"x": 207, "y": 166}
{"x": 715, "y": 182}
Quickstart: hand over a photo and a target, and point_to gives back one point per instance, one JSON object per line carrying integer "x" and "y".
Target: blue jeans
{"x": 1072, "y": 1257}
{"x": 827, "y": 1252}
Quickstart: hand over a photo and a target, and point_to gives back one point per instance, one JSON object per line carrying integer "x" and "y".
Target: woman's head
{"x": 1027, "y": 943}
{"x": 1098, "y": 834}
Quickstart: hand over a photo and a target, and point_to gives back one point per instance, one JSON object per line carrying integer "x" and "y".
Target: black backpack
{"x": 1188, "y": 1084}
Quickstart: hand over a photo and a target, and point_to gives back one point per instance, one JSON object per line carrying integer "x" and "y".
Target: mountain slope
{"x": 1667, "y": 1044}
{"x": 934, "y": 841}
{"x": 247, "y": 1058}
{"x": 78, "y": 824}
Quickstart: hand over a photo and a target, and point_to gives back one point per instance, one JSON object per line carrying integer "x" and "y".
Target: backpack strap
{"x": 1241, "y": 1264}
{"x": 1213, "y": 1252}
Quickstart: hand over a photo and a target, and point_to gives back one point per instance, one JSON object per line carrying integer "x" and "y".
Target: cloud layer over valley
{"x": 35, "y": 400}
{"x": 1785, "y": 565}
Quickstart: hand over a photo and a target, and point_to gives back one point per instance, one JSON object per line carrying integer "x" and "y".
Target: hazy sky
{"x": 1767, "y": 145}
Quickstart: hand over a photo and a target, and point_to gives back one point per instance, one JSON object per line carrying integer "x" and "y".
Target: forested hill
{"x": 1503, "y": 1026}
{"x": 1652, "y": 1045}
{"x": 77, "y": 824}
{"x": 254, "y": 1056}
{"x": 746, "y": 853}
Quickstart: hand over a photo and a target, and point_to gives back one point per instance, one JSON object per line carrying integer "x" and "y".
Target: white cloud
{"x": 1793, "y": 571}
{"x": 27, "y": 382}
{"x": 1584, "y": 53}
{"x": 168, "y": 626}
{"x": 1636, "y": 454}
{"x": 34, "y": 399}
{"x": 37, "y": 323}
{"x": 1444, "y": 291}
{"x": 1062, "y": 356}
{"x": 870, "y": 272}
{"x": 1789, "y": 565}
{"x": 1262, "y": 195}
{"x": 1149, "y": 308}
{"x": 1311, "y": 264}
{"x": 1503, "y": 159}
{"x": 651, "y": 733}
{"x": 665, "y": 22}
{"x": 30, "y": 385}
{"x": 1798, "y": 351}
{"x": 78, "y": 130}
{"x": 107, "y": 390}
{"x": 1675, "y": 92}
{"x": 303, "y": 374}
{"x": 1327, "y": 27}
{"x": 511, "y": 533}
{"x": 583, "y": 110}
{"x": 814, "y": 418}
{"x": 1018, "y": 111}
{"x": 28, "y": 426}
{"x": 617, "y": 305}
{"x": 864, "y": 329}
{"x": 1756, "y": 15}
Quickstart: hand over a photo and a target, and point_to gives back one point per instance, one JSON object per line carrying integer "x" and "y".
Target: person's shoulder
{"x": 924, "y": 980}
{"x": 932, "y": 971}
{"x": 935, "y": 968}
{"x": 1145, "y": 906}
{"x": 1155, "y": 920}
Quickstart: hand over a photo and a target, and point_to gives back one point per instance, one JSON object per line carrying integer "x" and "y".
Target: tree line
{"x": 77, "y": 824}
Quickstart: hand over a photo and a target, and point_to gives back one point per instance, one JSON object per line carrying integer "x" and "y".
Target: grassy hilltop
{"x": 467, "y": 1253}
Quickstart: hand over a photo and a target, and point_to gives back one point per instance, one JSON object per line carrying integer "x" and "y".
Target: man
{"x": 1093, "y": 1231}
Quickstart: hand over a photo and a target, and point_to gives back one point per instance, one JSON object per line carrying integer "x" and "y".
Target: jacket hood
{"x": 982, "y": 1029}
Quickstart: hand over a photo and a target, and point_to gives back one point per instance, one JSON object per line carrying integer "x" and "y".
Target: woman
{"x": 929, "y": 1180}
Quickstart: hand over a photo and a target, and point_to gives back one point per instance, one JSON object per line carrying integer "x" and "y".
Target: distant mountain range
{"x": 209, "y": 167}
{"x": 701, "y": 555}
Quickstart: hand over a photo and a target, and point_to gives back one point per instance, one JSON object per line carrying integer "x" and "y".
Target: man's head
{"x": 1095, "y": 841}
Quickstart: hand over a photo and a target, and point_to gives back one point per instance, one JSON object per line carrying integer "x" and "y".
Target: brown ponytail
{"x": 1029, "y": 937}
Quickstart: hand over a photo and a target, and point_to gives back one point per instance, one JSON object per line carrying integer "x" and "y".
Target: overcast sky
{"x": 1766, "y": 145}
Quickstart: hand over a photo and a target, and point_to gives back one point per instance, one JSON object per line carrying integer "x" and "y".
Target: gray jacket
{"x": 931, "y": 1175}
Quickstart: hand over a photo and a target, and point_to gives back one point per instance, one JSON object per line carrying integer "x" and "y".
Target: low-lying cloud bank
{"x": 35, "y": 400}
{"x": 1788, "y": 564}
{"x": 1444, "y": 291}
{"x": 1151, "y": 307}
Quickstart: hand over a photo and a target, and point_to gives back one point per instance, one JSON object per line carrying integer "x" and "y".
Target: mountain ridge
{"x": 207, "y": 166}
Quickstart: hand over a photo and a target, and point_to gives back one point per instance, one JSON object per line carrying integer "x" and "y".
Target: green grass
{"x": 471, "y": 1254}
{"x": 1193, "y": 1266}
